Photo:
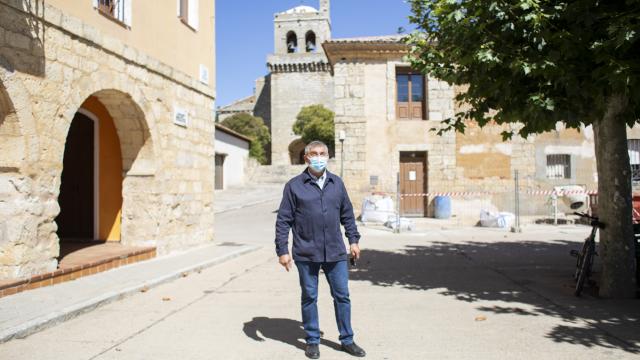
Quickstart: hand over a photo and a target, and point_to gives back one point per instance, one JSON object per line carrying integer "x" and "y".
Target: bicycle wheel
{"x": 579, "y": 258}
{"x": 585, "y": 270}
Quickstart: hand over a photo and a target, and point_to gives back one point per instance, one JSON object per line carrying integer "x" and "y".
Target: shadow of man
{"x": 286, "y": 331}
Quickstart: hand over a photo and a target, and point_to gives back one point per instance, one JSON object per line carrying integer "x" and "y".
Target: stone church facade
{"x": 103, "y": 135}
{"x": 299, "y": 75}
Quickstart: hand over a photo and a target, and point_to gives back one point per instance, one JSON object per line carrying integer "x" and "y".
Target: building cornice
{"x": 320, "y": 66}
{"x": 337, "y": 50}
{"x": 298, "y": 62}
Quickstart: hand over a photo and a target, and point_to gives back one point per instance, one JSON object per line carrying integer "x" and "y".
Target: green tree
{"x": 536, "y": 63}
{"x": 315, "y": 122}
{"x": 254, "y": 128}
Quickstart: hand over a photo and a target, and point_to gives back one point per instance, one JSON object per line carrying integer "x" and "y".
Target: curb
{"x": 49, "y": 320}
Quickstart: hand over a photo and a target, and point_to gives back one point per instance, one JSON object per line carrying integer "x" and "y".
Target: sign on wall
{"x": 180, "y": 116}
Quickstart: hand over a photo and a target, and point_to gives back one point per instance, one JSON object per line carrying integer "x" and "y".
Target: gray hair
{"x": 315, "y": 144}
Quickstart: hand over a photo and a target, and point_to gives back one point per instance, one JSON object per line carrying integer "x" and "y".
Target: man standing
{"x": 313, "y": 206}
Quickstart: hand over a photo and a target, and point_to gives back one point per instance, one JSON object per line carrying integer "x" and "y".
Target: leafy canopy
{"x": 254, "y": 128}
{"x": 315, "y": 122}
{"x": 535, "y": 62}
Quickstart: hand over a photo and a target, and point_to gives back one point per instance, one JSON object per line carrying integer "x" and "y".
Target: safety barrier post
{"x": 516, "y": 227}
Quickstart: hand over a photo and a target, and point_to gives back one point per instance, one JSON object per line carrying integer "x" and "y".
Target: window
{"x": 558, "y": 166}
{"x": 634, "y": 159}
{"x": 117, "y": 10}
{"x": 292, "y": 42}
{"x": 310, "y": 41}
{"x": 410, "y": 95}
{"x": 188, "y": 11}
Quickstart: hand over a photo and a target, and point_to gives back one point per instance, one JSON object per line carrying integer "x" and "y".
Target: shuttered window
{"x": 410, "y": 99}
{"x": 558, "y": 166}
{"x": 634, "y": 159}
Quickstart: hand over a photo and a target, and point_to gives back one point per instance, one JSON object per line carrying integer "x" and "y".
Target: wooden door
{"x": 76, "y": 218}
{"x": 413, "y": 170}
{"x": 219, "y": 180}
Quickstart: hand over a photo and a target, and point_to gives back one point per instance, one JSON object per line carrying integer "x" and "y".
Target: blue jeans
{"x": 337, "y": 274}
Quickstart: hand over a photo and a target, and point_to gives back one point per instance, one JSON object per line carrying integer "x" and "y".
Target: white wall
{"x": 237, "y": 151}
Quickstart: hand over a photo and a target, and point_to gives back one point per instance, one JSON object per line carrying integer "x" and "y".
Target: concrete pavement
{"x": 439, "y": 294}
{"x": 27, "y": 312}
{"x": 235, "y": 198}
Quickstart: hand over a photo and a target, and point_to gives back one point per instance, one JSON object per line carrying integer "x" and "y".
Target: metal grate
{"x": 558, "y": 166}
{"x": 113, "y": 8}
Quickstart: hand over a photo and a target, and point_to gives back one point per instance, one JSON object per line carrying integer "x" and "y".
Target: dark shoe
{"x": 312, "y": 351}
{"x": 353, "y": 349}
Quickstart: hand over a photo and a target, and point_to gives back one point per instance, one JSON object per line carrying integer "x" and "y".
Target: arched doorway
{"x": 296, "y": 152}
{"x": 108, "y": 170}
{"x": 90, "y": 196}
{"x": 79, "y": 183}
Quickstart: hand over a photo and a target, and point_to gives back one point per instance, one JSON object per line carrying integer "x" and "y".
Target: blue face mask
{"x": 318, "y": 163}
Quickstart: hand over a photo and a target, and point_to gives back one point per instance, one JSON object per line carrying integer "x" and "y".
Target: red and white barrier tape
{"x": 481, "y": 193}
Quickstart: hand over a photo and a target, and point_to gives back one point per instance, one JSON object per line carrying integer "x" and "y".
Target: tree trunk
{"x": 617, "y": 247}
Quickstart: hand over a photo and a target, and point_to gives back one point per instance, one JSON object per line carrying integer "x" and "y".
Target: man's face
{"x": 316, "y": 151}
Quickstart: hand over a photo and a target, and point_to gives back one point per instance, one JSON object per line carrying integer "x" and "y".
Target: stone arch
{"x": 292, "y": 42}
{"x": 135, "y": 113}
{"x": 16, "y": 112}
{"x": 20, "y": 222}
{"x": 139, "y": 186}
{"x": 134, "y": 120}
{"x": 310, "y": 41}
{"x": 136, "y": 143}
{"x": 296, "y": 152}
{"x": 11, "y": 138}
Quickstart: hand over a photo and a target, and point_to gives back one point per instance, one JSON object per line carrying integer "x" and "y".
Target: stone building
{"x": 299, "y": 75}
{"x": 386, "y": 112}
{"x": 106, "y": 127}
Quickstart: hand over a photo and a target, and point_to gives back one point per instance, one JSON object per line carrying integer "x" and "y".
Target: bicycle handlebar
{"x": 594, "y": 220}
{"x": 585, "y": 215}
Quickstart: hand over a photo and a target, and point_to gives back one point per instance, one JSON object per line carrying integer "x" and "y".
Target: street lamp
{"x": 342, "y": 136}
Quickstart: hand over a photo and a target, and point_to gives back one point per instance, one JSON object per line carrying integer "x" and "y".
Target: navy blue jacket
{"x": 314, "y": 215}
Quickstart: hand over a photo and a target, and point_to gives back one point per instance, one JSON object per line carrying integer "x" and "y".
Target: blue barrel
{"x": 442, "y": 206}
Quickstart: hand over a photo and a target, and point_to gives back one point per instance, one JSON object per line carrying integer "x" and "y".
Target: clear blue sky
{"x": 244, "y": 34}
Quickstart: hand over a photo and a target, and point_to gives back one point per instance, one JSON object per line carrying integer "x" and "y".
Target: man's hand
{"x": 355, "y": 251}
{"x": 285, "y": 260}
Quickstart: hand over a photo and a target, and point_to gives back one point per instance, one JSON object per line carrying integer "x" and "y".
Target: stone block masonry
{"x": 50, "y": 64}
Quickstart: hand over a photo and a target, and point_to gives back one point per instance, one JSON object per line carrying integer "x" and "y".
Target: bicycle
{"x": 584, "y": 257}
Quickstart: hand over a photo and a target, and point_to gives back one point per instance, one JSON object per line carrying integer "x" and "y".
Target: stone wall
{"x": 365, "y": 110}
{"x": 477, "y": 161}
{"x": 290, "y": 91}
{"x": 349, "y": 98}
{"x": 50, "y": 63}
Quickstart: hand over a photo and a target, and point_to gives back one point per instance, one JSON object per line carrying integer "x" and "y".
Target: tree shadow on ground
{"x": 286, "y": 331}
{"x": 535, "y": 276}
